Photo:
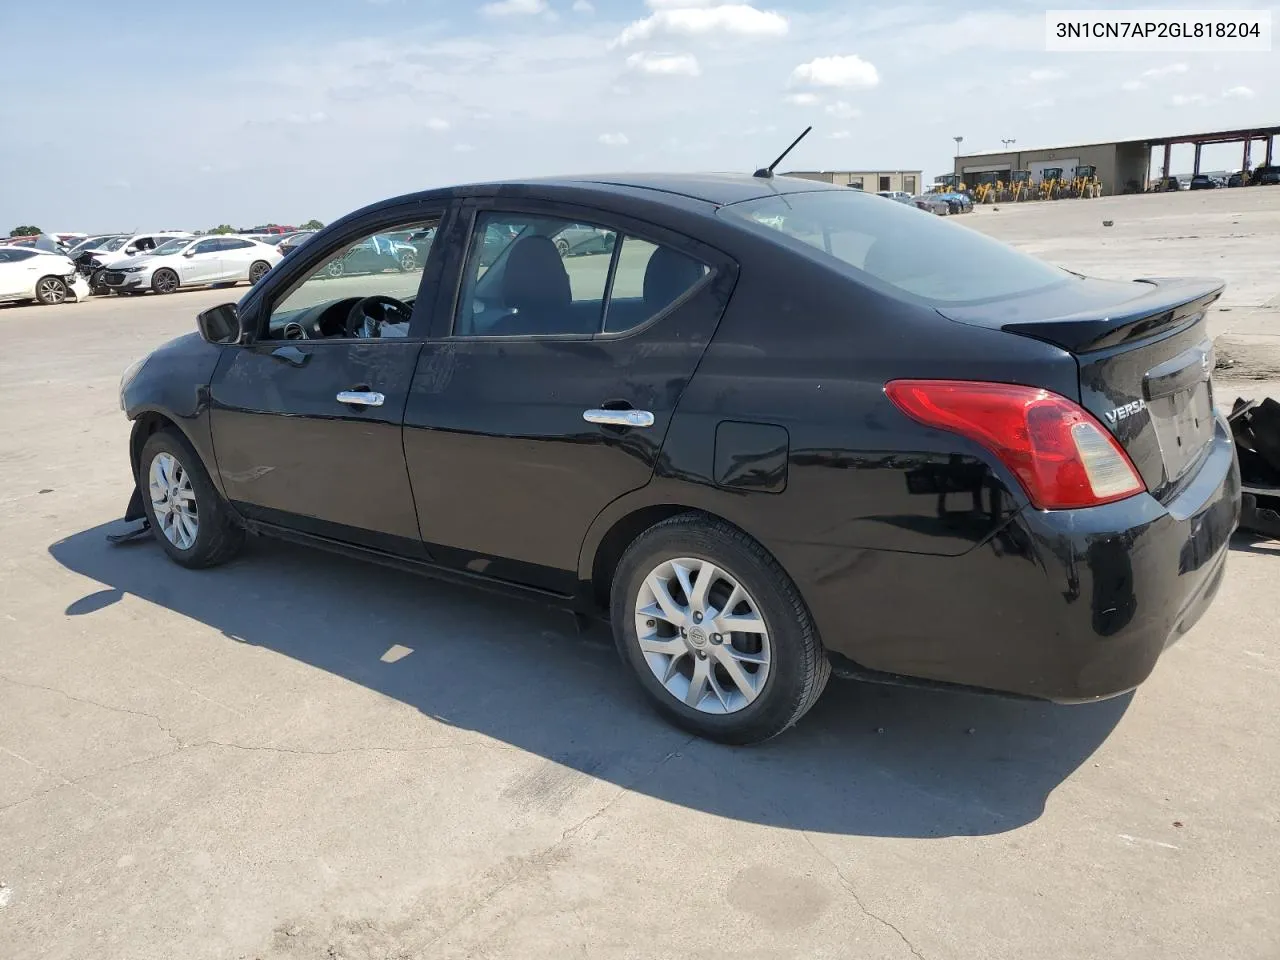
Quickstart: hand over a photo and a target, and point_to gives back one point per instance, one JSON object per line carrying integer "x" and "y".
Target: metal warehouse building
{"x": 1122, "y": 165}
{"x": 873, "y": 181}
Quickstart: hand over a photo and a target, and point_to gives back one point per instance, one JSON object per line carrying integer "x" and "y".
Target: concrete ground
{"x": 298, "y": 756}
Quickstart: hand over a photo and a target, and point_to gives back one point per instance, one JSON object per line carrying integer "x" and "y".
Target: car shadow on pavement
{"x": 870, "y": 760}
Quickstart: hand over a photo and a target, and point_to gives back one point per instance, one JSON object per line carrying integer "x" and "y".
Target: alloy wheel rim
{"x": 702, "y": 635}
{"x": 173, "y": 501}
{"x": 51, "y": 291}
{"x": 166, "y": 282}
{"x": 408, "y": 261}
{"x": 256, "y": 273}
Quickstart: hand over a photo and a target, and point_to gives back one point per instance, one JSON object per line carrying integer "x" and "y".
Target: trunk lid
{"x": 1145, "y": 361}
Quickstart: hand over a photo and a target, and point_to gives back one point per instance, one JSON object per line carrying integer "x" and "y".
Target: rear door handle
{"x": 619, "y": 418}
{"x": 361, "y": 398}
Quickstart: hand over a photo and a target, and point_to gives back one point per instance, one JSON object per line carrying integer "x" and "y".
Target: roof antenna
{"x": 767, "y": 172}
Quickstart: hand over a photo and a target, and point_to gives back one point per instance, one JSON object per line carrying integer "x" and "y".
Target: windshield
{"x": 172, "y": 246}
{"x": 928, "y": 257}
{"x": 91, "y": 243}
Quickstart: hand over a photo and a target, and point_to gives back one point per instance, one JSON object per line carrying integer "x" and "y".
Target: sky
{"x": 255, "y": 111}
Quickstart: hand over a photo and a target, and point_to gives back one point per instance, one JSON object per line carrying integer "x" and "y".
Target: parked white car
{"x": 900, "y": 195}
{"x": 27, "y": 274}
{"x": 191, "y": 262}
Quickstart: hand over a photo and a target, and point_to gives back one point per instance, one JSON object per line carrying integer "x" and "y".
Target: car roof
{"x": 714, "y": 188}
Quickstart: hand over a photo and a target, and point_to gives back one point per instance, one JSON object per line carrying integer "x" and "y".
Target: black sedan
{"x": 770, "y": 429}
{"x": 1202, "y": 181}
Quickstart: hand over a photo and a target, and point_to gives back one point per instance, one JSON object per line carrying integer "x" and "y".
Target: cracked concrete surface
{"x": 300, "y": 757}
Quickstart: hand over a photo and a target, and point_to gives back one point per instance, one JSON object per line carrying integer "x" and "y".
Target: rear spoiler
{"x": 1171, "y": 304}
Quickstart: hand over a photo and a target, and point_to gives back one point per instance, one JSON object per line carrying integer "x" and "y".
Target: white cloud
{"x": 1044, "y": 76}
{"x": 583, "y": 6}
{"x": 737, "y": 19}
{"x": 839, "y": 135}
{"x": 514, "y": 8}
{"x": 845, "y": 111}
{"x": 301, "y": 119}
{"x": 1042, "y": 104}
{"x": 1165, "y": 70}
{"x": 462, "y": 148}
{"x": 614, "y": 139}
{"x": 802, "y": 99}
{"x": 1187, "y": 100}
{"x": 1132, "y": 85}
{"x": 438, "y": 124}
{"x": 678, "y": 4}
{"x": 1238, "y": 93}
{"x": 665, "y": 64}
{"x": 851, "y": 71}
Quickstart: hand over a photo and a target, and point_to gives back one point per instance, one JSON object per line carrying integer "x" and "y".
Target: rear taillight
{"x": 1061, "y": 454}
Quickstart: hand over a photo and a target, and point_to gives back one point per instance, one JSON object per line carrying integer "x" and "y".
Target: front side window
{"x": 172, "y": 246}
{"x": 550, "y": 276}
{"x": 334, "y": 299}
{"x": 927, "y": 257}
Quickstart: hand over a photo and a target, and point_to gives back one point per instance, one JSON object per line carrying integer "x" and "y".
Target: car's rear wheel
{"x": 257, "y": 270}
{"x": 164, "y": 280}
{"x": 336, "y": 268}
{"x": 562, "y": 246}
{"x": 50, "y": 290}
{"x": 188, "y": 517}
{"x": 408, "y": 261}
{"x": 715, "y": 631}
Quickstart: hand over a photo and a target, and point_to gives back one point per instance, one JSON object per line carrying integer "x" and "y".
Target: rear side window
{"x": 15, "y": 256}
{"x": 925, "y": 256}
{"x": 530, "y": 275}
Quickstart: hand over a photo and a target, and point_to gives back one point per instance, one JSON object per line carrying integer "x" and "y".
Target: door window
{"x": 206, "y": 246}
{"x": 230, "y": 243}
{"x": 550, "y": 276}
{"x": 320, "y": 305}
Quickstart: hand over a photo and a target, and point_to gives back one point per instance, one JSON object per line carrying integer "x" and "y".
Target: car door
{"x": 201, "y": 262}
{"x": 547, "y": 388}
{"x": 233, "y": 259}
{"x": 15, "y": 277}
{"x": 306, "y": 419}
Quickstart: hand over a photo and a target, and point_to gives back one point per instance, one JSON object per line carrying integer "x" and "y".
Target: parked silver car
{"x": 191, "y": 262}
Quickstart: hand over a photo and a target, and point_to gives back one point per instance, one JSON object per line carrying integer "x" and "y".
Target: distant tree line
{"x": 227, "y": 228}
{"x": 25, "y": 231}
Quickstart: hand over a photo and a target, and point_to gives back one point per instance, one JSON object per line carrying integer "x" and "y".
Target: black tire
{"x": 96, "y": 285}
{"x": 51, "y": 290}
{"x": 164, "y": 280}
{"x": 218, "y": 536}
{"x": 257, "y": 270}
{"x": 799, "y": 667}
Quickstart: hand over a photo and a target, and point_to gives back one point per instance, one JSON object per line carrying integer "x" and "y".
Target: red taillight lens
{"x": 1061, "y": 454}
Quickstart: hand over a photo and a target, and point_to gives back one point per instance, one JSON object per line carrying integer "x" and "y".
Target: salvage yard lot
{"x": 301, "y": 756}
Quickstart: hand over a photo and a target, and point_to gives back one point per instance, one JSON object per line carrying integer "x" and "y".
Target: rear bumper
{"x": 1061, "y": 605}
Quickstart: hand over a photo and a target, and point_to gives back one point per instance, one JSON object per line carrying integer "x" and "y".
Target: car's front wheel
{"x": 715, "y": 631}
{"x": 50, "y": 290}
{"x": 164, "y": 280}
{"x": 187, "y": 516}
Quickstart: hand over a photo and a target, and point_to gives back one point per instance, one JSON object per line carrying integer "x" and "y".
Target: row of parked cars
{"x": 53, "y": 268}
{"x": 940, "y": 204}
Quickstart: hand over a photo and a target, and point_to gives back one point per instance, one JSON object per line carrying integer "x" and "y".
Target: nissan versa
{"x": 767, "y": 427}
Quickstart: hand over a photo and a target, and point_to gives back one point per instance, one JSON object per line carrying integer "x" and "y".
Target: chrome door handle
{"x": 361, "y": 398}
{"x": 619, "y": 418}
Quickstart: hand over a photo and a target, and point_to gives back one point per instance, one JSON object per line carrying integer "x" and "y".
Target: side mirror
{"x": 130, "y": 251}
{"x": 220, "y": 324}
{"x": 188, "y": 253}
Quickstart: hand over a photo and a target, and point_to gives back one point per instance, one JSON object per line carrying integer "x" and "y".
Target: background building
{"x": 1123, "y": 165}
{"x": 872, "y": 181}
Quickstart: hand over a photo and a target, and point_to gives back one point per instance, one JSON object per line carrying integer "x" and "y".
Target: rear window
{"x": 918, "y": 253}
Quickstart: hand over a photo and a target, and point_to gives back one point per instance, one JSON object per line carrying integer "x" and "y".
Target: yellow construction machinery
{"x": 1085, "y": 184}
{"x": 1052, "y": 186}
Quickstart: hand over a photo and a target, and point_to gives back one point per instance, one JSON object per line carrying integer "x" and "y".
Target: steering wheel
{"x": 367, "y": 316}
